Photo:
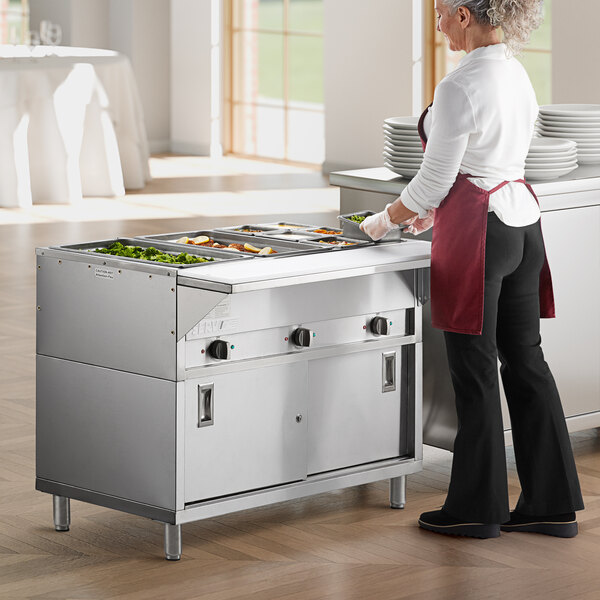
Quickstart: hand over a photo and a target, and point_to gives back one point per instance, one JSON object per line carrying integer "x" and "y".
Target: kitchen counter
{"x": 571, "y": 342}
{"x": 551, "y": 194}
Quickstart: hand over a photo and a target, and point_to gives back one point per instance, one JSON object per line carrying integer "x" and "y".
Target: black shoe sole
{"x": 475, "y": 530}
{"x": 563, "y": 530}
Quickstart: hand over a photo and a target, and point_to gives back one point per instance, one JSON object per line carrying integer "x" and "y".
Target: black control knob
{"x": 302, "y": 336}
{"x": 380, "y": 326}
{"x": 219, "y": 349}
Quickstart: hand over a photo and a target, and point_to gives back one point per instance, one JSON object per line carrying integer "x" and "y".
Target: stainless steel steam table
{"x": 179, "y": 394}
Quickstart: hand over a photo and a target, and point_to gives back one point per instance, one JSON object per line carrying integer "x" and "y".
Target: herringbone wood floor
{"x": 340, "y": 545}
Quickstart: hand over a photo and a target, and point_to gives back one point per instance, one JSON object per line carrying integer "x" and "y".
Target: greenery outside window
{"x": 274, "y": 88}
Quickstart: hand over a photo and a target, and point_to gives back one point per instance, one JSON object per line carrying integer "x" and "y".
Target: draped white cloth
{"x": 71, "y": 125}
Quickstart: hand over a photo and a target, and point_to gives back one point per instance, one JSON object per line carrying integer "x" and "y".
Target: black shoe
{"x": 564, "y": 525}
{"x": 440, "y": 521}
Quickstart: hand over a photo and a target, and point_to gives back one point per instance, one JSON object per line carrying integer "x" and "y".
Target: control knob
{"x": 380, "y": 326}
{"x": 220, "y": 349}
{"x": 302, "y": 336}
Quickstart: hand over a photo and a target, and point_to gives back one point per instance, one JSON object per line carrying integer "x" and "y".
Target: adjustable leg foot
{"x": 172, "y": 541}
{"x": 398, "y": 492}
{"x": 62, "y": 513}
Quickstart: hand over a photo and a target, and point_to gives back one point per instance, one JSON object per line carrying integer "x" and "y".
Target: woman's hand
{"x": 417, "y": 226}
{"x": 378, "y": 225}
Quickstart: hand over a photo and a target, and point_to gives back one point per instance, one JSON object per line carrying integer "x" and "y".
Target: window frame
{"x": 229, "y": 81}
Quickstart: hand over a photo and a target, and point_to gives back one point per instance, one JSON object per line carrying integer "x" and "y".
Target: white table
{"x": 71, "y": 125}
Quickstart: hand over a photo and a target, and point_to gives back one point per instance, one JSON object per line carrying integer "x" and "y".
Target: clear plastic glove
{"x": 379, "y": 224}
{"x": 417, "y": 226}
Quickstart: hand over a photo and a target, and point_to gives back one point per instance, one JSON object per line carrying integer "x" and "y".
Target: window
{"x": 14, "y": 21}
{"x": 274, "y": 91}
{"x": 536, "y": 56}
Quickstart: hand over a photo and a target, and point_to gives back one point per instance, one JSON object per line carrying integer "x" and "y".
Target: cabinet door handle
{"x": 206, "y": 404}
{"x": 388, "y": 372}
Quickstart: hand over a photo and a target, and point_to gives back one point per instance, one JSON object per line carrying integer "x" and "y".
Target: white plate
{"x": 547, "y": 173}
{"x": 416, "y": 162}
{"x": 401, "y": 171}
{"x": 402, "y": 122}
{"x": 589, "y": 159}
{"x": 581, "y": 133}
{"x": 402, "y": 136}
{"x": 582, "y": 146}
{"x": 551, "y": 155}
{"x": 550, "y": 158}
{"x": 404, "y": 132}
{"x": 548, "y": 144}
{"x": 401, "y": 145}
{"x": 549, "y": 165}
{"x": 578, "y": 120}
{"x": 401, "y": 165}
{"x": 569, "y": 136}
{"x": 571, "y": 110}
{"x": 575, "y": 125}
{"x": 403, "y": 155}
{"x": 411, "y": 151}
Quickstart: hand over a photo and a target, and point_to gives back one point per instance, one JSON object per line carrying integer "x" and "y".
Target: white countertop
{"x": 583, "y": 183}
{"x": 260, "y": 273}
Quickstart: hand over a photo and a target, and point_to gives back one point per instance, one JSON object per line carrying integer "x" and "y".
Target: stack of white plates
{"x": 402, "y": 151}
{"x": 577, "y": 122}
{"x": 550, "y": 158}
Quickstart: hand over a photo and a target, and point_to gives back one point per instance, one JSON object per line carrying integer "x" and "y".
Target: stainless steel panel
{"x": 134, "y": 508}
{"x": 118, "y": 318}
{"x": 106, "y": 431}
{"x": 571, "y": 342}
{"x": 278, "y": 340}
{"x": 255, "y": 440}
{"x": 351, "y": 420}
{"x": 285, "y": 306}
{"x": 192, "y": 306}
{"x": 314, "y": 484}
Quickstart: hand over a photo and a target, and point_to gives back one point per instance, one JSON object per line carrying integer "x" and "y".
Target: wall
{"x": 191, "y": 75}
{"x": 368, "y": 64}
{"x": 141, "y": 30}
{"x": 575, "y": 52}
{"x": 90, "y": 21}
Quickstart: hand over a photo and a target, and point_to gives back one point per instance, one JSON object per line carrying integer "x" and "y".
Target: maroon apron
{"x": 458, "y": 256}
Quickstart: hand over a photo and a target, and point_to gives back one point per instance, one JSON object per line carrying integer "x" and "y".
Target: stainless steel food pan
{"x": 326, "y": 228}
{"x": 323, "y": 241}
{"x": 292, "y": 235}
{"x": 248, "y": 229}
{"x": 352, "y": 229}
{"x": 285, "y": 225}
{"x": 281, "y": 246}
{"x": 175, "y": 249}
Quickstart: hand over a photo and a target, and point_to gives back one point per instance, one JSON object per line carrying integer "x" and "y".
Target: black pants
{"x": 511, "y": 332}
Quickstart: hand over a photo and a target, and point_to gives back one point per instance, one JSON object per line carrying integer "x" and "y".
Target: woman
{"x": 490, "y": 280}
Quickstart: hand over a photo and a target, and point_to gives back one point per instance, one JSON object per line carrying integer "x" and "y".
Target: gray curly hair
{"x": 517, "y": 18}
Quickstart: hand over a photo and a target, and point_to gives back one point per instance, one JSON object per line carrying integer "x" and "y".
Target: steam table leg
{"x": 172, "y": 541}
{"x": 398, "y": 491}
{"x": 62, "y": 513}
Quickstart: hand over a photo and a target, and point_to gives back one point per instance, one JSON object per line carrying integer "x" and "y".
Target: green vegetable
{"x": 358, "y": 218}
{"x": 118, "y": 249}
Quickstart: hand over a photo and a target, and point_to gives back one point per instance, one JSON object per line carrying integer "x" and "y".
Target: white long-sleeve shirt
{"x": 481, "y": 123}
